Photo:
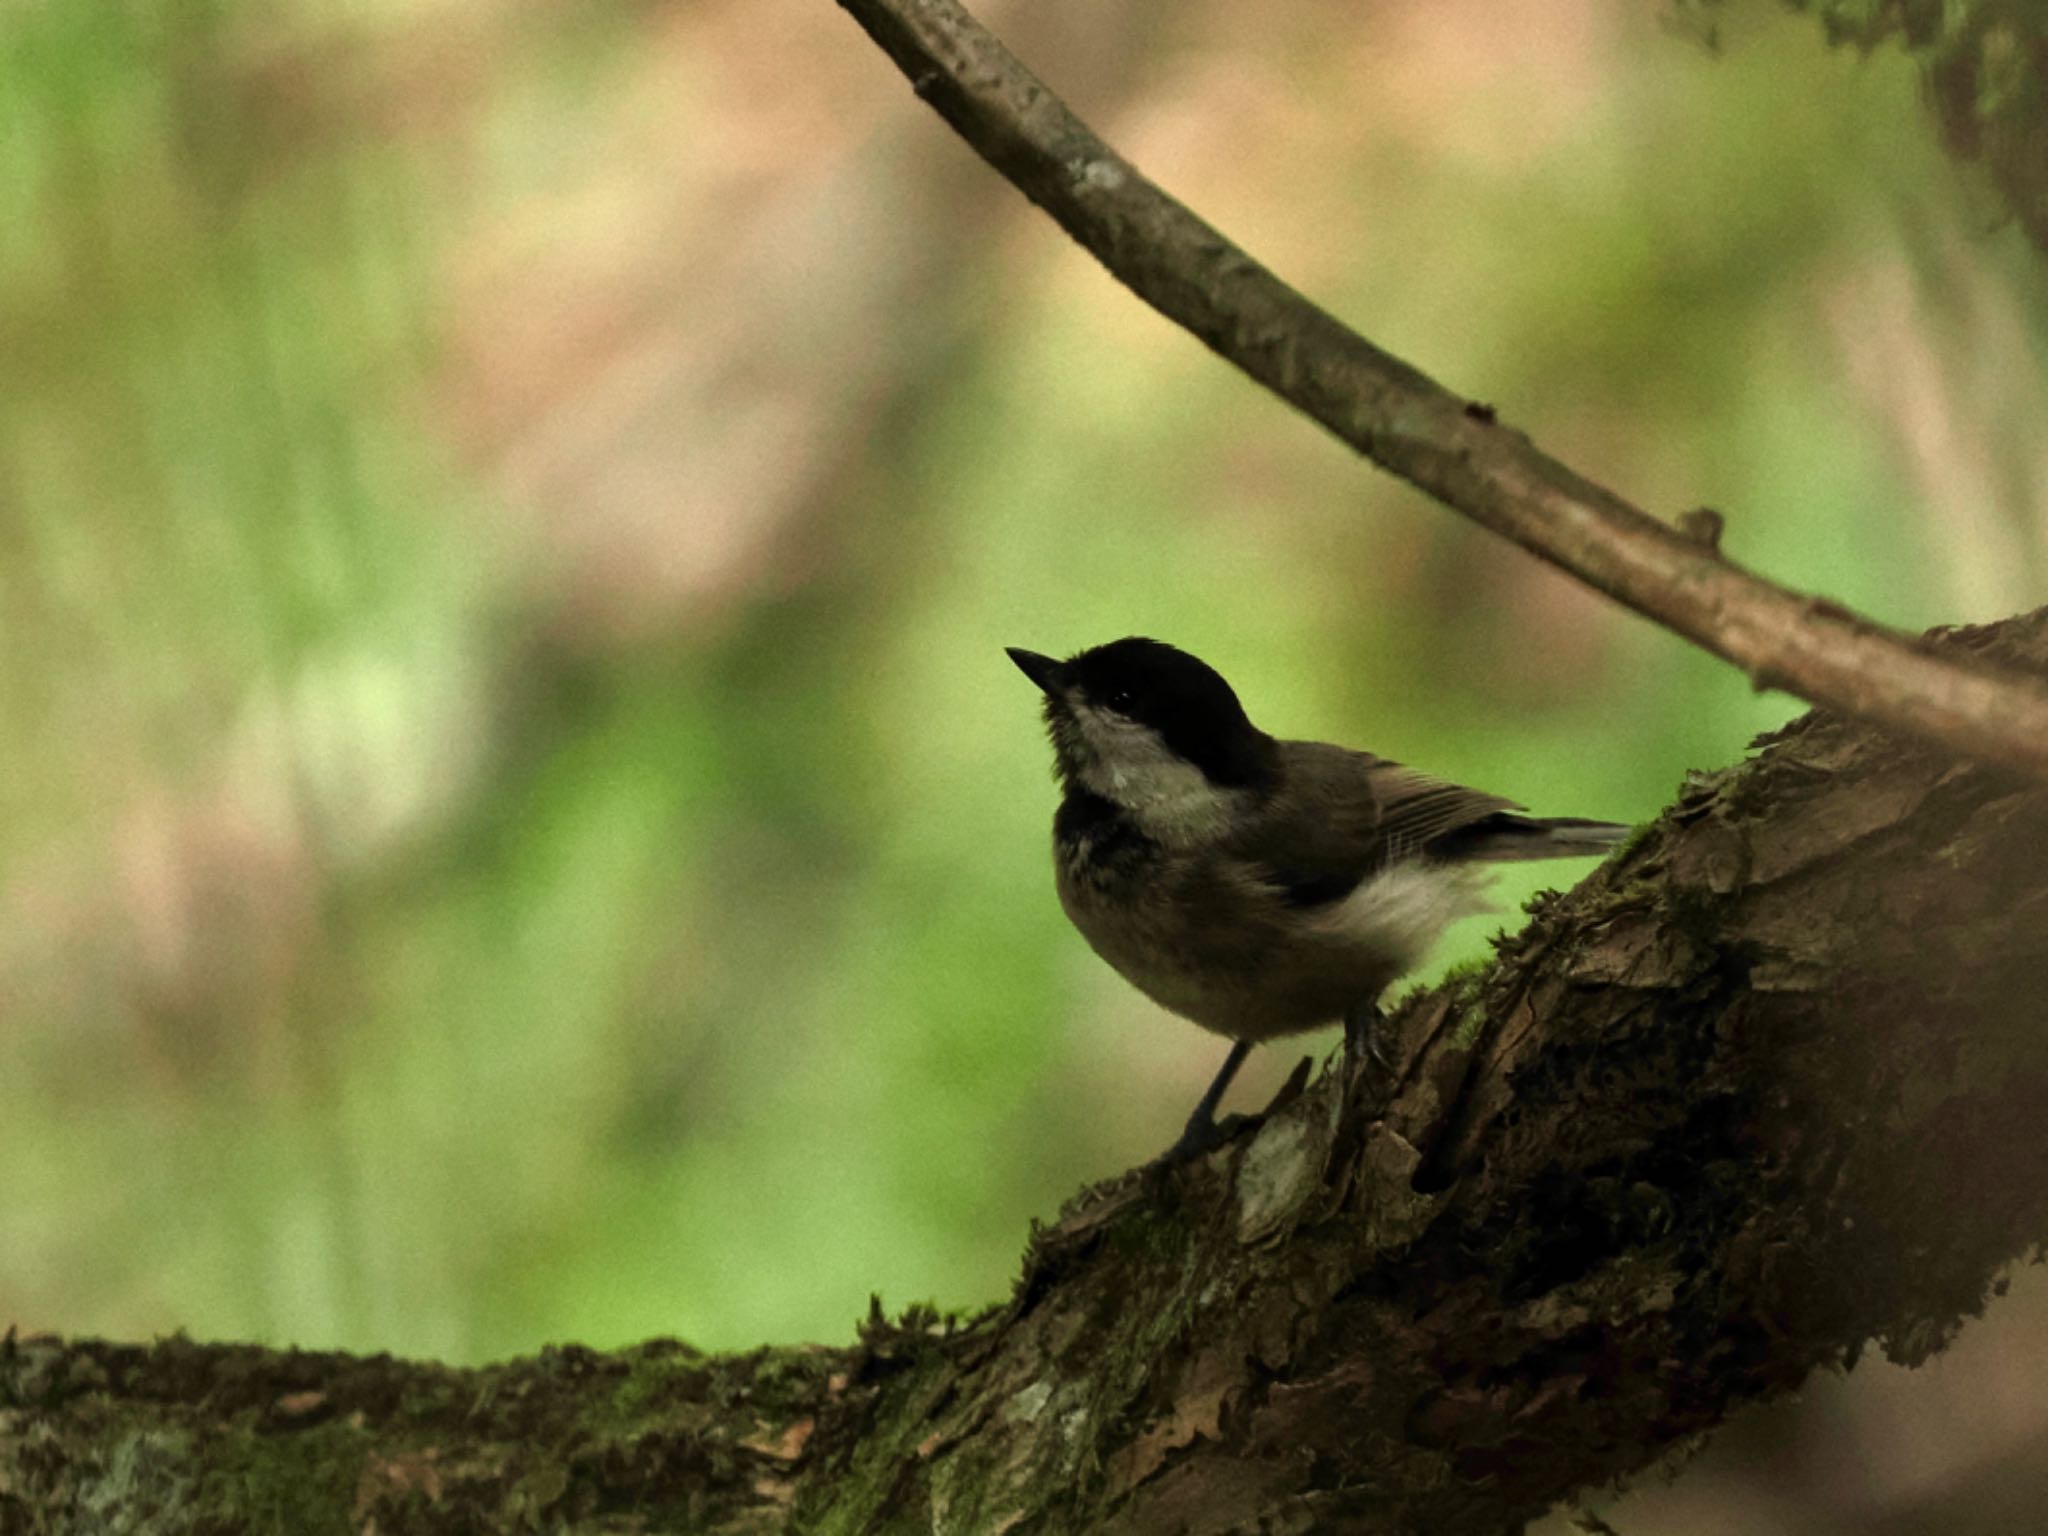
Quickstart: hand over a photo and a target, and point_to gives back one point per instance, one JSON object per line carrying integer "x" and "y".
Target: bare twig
{"x": 1447, "y": 446}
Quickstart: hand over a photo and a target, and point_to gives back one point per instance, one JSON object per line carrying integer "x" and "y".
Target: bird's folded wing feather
{"x": 1343, "y": 815}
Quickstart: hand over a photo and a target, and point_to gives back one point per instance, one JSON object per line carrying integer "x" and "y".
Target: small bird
{"x": 1256, "y": 887}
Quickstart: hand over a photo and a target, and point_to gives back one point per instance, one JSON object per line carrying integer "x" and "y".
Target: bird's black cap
{"x": 1182, "y": 697}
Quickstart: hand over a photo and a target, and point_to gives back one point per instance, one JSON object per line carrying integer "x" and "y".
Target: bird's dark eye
{"x": 1122, "y": 700}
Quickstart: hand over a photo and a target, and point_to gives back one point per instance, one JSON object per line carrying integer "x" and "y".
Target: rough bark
{"x": 1763, "y": 1090}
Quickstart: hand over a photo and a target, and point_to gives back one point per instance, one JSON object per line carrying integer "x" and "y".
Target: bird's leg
{"x": 1365, "y": 1037}
{"x": 1202, "y": 1131}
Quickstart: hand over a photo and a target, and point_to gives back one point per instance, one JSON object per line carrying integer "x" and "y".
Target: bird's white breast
{"x": 1402, "y": 911}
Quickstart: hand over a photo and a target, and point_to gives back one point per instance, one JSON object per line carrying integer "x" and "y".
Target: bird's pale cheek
{"x": 1069, "y": 747}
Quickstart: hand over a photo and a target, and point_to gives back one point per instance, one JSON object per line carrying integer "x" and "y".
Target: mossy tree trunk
{"x": 1766, "y": 1088}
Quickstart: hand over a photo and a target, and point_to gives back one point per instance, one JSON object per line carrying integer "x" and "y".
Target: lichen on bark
{"x": 1761, "y": 1092}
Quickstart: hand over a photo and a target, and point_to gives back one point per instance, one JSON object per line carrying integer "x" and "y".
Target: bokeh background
{"x": 515, "y": 823}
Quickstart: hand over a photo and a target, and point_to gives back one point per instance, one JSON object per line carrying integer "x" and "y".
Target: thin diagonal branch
{"x": 1444, "y": 445}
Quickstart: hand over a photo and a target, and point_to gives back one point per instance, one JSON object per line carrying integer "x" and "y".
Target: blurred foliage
{"x": 515, "y": 822}
{"x": 1984, "y": 70}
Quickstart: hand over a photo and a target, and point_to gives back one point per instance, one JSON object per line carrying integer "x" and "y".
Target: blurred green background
{"x": 515, "y": 823}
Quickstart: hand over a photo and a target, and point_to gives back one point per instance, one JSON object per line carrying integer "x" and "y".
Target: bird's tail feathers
{"x": 1505, "y": 838}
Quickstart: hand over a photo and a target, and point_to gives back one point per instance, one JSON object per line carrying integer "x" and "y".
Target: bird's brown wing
{"x": 1342, "y": 815}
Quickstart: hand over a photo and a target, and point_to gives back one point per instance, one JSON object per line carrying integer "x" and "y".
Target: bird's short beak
{"x": 1042, "y": 670}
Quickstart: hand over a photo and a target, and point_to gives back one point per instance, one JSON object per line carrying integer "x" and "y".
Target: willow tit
{"x": 1257, "y": 887}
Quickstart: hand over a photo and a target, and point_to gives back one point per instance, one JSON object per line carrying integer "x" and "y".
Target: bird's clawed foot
{"x": 1205, "y": 1133}
{"x": 1365, "y": 1042}
{"x": 1366, "y": 1050}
